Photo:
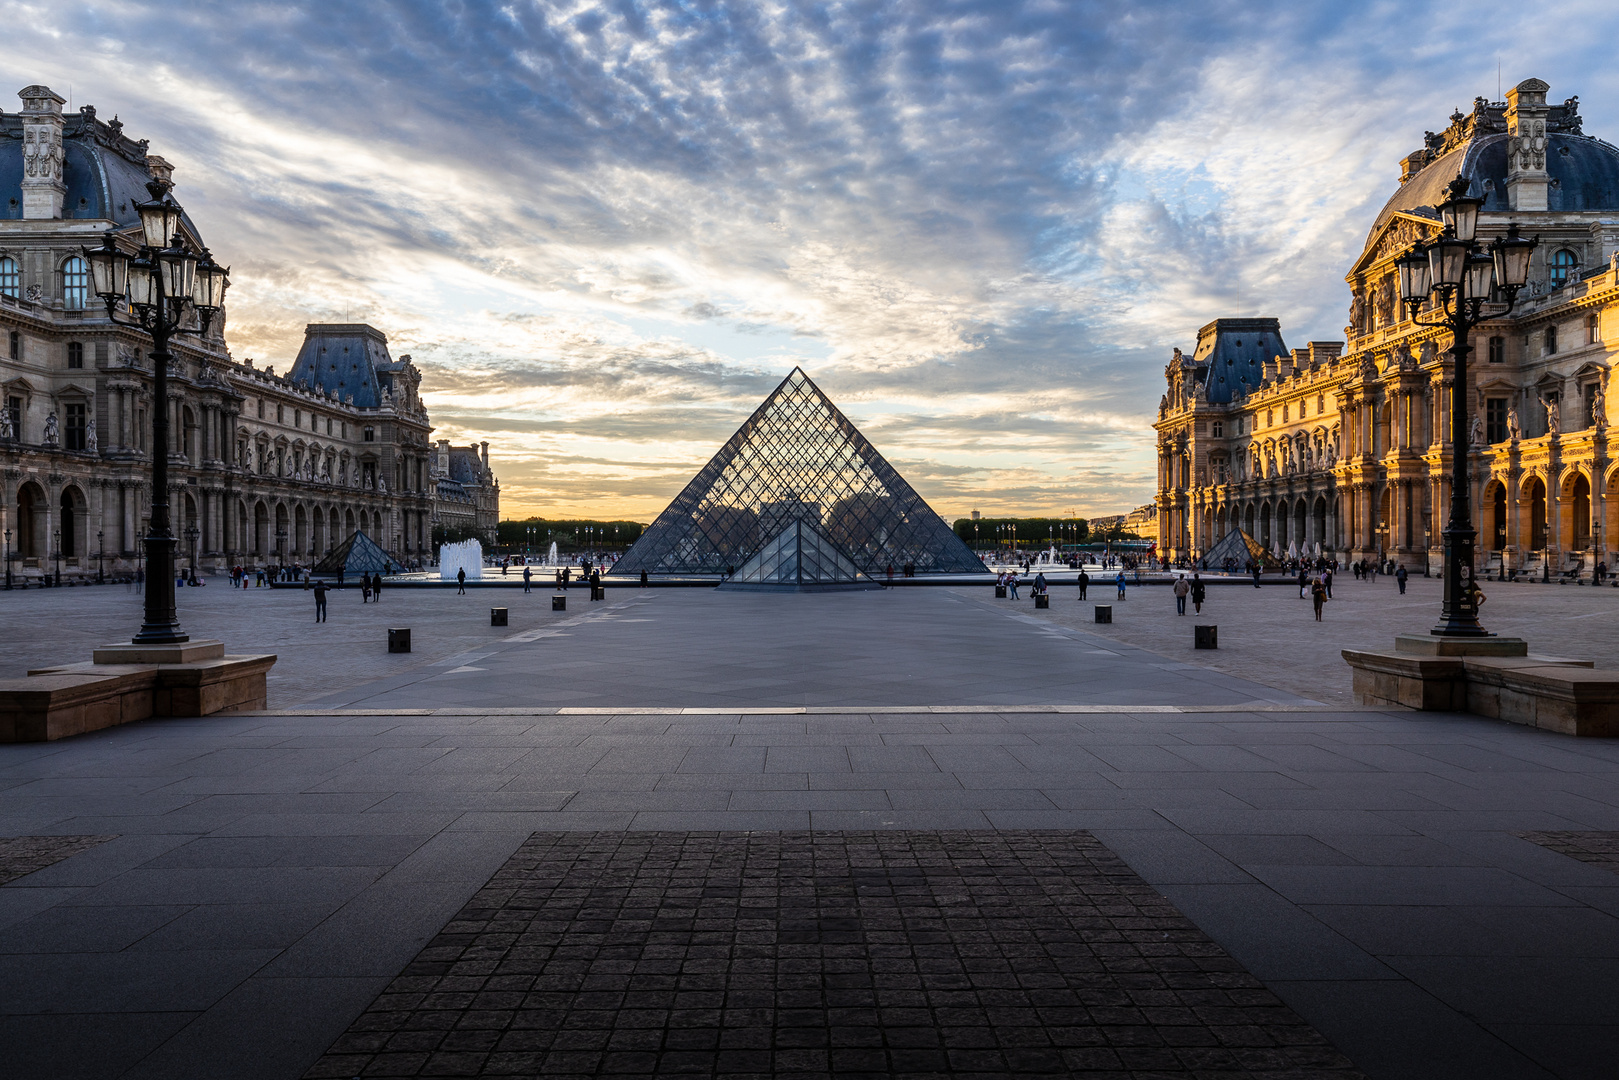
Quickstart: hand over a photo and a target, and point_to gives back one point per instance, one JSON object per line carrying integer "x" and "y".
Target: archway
{"x": 1319, "y": 533}
{"x": 75, "y": 515}
{"x": 1495, "y": 515}
{"x": 1301, "y": 513}
{"x": 1263, "y": 536}
{"x": 317, "y": 543}
{"x": 1248, "y": 519}
{"x": 300, "y": 531}
{"x": 1533, "y": 503}
{"x": 1385, "y": 505}
{"x": 261, "y": 528}
{"x": 1575, "y": 512}
{"x": 348, "y": 523}
{"x": 281, "y": 538}
{"x": 33, "y": 518}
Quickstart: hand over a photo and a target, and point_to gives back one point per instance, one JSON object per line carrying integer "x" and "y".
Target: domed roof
{"x": 105, "y": 172}
{"x": 1584, "y": 176}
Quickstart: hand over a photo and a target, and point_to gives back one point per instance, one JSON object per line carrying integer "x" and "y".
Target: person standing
{"x": 1399, "y": 578}
{"x": 643, "y": 579}
{"x": 376, "y": 587}
{"x": 365, "y": 587}
{"x": 1182, "y": 589}
{"x": 1084, "y": 581}
{"x": 1118, "y": 580}
{"x": 1326, "y": 580}
{"x": 320, "y": 601}
{"x": 1255, "y": 568}
{"x": 461, "y": 581}
{"x": 1011, "y": 584}
{"x": 1304, "y": 581}
{"x": 1318, "y": 596}
{"x": 1040, "y": 584}
{"x": 527, "y": 574}
{"x": 1198, "y": 592}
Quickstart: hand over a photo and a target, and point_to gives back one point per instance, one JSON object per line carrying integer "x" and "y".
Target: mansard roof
{"x": 343, "y": 359}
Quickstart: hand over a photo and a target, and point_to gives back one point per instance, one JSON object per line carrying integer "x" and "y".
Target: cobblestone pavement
{"x": 21, "y": 855}
{"x": 901, "y": 954}
{"x": 1598, "y": 848}
{"x": 1269, "y": 635}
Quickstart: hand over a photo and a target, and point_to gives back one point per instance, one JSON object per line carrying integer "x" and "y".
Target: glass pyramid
{"x": 798, "y": 459}
{"x": 359, "y": 554}
{"x": 802, "y": 558}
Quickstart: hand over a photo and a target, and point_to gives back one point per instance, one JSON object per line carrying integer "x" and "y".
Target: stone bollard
{"x": 1206, "y": 636}
{"x": 1104, "y": 613}
{"x": 399, "y": 639}
{"x": 1042, "y": 601}
{"x": 1000, "y": 592}
{"x": 559, "y": 603}
{"x": 497, "y": 616}
{"x": 599, "y": 592}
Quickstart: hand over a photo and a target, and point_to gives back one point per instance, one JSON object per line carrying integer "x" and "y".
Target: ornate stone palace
{"x": 1349, "y": 448}
{"x": 265, "y": 468}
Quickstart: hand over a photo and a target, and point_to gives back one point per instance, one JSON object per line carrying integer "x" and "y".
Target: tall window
{"x": 1593, "y": 329}
{"x": 75, "y": 427}
{"x": 1284, "y": 414}
{"x": 1219, "y": 430}
{"x": 370, "y": 434}
{"x": 14, "y": 407}
{"x": 1551, "y": 339}
{"x": 75, "y": 284}
{"x": 1495, "y": 419}
{"x": 10, "y": 280}
{"x": 16, "y": 345}
{"x": 261, "y": 408}
{"x": 75, "y": 354}
{"x": 1562, "y": 266}
{"x": 1498, "y": 350}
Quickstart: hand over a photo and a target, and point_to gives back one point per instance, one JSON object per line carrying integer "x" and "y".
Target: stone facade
{"x": 1347, "y": 445}
{"x": 466, "y": 494}
{"x": 265, "y": 468}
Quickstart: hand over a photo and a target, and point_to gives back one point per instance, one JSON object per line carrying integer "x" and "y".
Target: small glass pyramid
{"x": 802, "y": 558}
{"x": 798, "y": 459}
{"x": 359, "y": 554}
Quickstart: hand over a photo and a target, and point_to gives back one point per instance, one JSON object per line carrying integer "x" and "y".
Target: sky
{"x": 604, "y": 231}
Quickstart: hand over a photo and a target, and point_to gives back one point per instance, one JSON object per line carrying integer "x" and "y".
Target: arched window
{"x": 75, "y": 285}
{"x": 1562, "y": 267}
{"x": 10, "y": 280}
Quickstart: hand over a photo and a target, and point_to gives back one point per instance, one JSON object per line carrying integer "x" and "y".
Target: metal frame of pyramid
{"x": 359, "y": 554}
{"x": 1241, "y": 549}
{"x": 798, "y": 458}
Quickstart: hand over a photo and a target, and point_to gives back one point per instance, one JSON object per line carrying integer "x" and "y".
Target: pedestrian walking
{"x": 1304, "y": 581}
{"x": 1011, "y": 584}
{"x": 1118, "y": 579}
{"x": 1182, "y": 590}
{"x": 365, "y": 587}
{"x": 643, "y": 579}
{"x": 1326, "y": 579}
{"x": 1399, "y": 578}
{"x": 1084, "y": 583}
{"x": 376, "y": 588}
{"x": 461, "y": 581}
{"x": 1255, "y": 568}
{"x": 1040, "y": 584}
{"x": 1198, "y": 592}
{"x": 320, "y": 601}
{"x": 527, "y": 574}
{"x": 1318, "y": 596}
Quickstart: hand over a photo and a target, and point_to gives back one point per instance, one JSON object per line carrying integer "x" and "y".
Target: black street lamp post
{"x": 57, "y": 555}
{"x": 1460, "y": 280}
{"x": 8, "y": 560}
{"x": 192, "y": 532}
{"x": 163, "y": 285}
{"x": 101, "y": 551}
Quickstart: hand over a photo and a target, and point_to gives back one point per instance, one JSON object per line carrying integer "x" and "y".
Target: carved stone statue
{"x": 52, "y": 433}
{"x": 1475, "y": 434}
{"x": 1514, "y": 430}
{"x": 1554, "y": 423}
{"x": 1599, "y": 407}
{"x": 7, "y": 432}
{"x": 90, "y": 437}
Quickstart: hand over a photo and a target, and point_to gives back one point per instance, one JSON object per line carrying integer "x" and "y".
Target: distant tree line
{"x": 569, "y": 534}
{"x": 1030, "y": 532}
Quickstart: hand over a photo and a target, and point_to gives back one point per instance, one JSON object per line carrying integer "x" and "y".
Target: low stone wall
{"x": 53, "y": 703}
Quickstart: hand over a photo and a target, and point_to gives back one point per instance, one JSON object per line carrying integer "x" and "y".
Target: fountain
{"x": 467, "y": 555}
{"x": 551, "y": 556}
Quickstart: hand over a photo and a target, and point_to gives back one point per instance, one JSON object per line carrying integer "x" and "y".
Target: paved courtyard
{"x": 246, "y": 889}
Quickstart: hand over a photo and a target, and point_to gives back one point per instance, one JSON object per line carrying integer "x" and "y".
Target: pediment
{"x": 1398, "y": 233}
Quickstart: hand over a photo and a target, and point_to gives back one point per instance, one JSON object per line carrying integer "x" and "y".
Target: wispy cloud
{"x": 606, "y": 229}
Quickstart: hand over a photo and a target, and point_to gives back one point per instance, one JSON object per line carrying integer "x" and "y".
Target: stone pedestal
{"x": 1492, "y": 676}
{"x": 71, "y": 699}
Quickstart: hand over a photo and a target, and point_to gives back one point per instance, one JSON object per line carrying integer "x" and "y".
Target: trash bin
{"x": 399, "y": 639}
{"x": 1104, "y": 613}
{"x": 497, "y": 616}
{"x": 1042, "y": 601}
{"x": 559, "y": 603}
{"x": 1207, "y": 637}
{"x": 1000, "y": 592}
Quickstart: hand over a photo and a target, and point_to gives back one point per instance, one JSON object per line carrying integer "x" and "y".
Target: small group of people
{"x": 1195, "y": 589}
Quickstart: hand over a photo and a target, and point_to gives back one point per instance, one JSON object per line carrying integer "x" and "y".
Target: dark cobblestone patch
{"x": 1599, "y": 848}
{"x": 21, "y": 855}
{"x": 912, "y": 954}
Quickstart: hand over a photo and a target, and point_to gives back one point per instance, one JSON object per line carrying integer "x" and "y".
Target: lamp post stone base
{"x": 183, "y": 652}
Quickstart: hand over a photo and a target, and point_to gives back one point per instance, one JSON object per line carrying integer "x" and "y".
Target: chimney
{"x": 160, "y": 168}
{"x": 1325, "y": 352}
{"x": 444, "y": 457}
{"x": 1526, "y": 145}
{"x": 42, "y": 187}
{"x": 485, "y": 446}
